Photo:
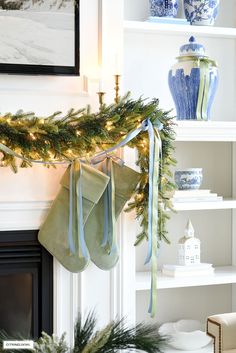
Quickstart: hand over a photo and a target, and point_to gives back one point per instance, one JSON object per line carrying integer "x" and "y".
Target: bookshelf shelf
{"x": 222, "y": 275}
{"x": 205, "y": 205}
{"x": 177, "y": 29}
{"x": 205, "y": 131}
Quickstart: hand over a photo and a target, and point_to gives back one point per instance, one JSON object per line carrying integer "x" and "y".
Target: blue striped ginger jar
{"x": 193, "y": 82}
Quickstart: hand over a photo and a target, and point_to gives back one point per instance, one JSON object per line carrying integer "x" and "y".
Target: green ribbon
{"x": 203, "y": 63}
{"x": 203, "y": 93}
{"x": 154, "y": 260}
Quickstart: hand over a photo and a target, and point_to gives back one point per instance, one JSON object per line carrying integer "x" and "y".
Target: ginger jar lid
{"x": 192, "y": 48}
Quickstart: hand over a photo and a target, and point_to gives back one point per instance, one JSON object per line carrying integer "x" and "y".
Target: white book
{"x": 189, "y": 193}
{"x": 168, "y": 20}
{"x": 198, "y": 199}
{"x": 193, "y": 267}
{"x": 189, "y": 273}
{"x": 191, "y": 270}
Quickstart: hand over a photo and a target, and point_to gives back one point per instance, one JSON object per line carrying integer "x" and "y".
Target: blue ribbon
{"x": 155, "y": 157}
{"x": 107, "y": 205}
{"x": 150, "y": 196}
{"x": 82, "y": 245}
{"x": 108, "y": 240}
{"x": 76, "y": 214}
{"x": 125, "y": 141}
{"x": 70, "y": 226}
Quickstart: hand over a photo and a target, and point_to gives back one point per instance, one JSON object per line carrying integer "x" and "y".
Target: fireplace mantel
{"x": 25, "y": 199}
{"x": 23, "y": 215}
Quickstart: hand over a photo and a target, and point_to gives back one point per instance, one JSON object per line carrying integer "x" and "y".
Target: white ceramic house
{"x": 189, "y": 247}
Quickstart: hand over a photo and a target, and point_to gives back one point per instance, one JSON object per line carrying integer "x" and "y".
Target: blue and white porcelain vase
{"x": 193, "y": 82}
{"x": 163, "y": 8}
{"x": 201, "y": 12}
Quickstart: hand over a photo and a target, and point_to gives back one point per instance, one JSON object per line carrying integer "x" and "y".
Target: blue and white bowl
{"x": 163, "y": 8}
{"x": 188, "y": 179}
{"x": 201, "y": 12}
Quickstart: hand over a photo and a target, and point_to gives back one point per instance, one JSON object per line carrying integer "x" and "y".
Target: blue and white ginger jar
{"x": 193, "y": 81}
{"x": 201, "y": 12}
{"x": 163, "y": 8}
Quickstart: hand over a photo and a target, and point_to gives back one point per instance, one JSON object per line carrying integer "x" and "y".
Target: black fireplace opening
{"x": 26, "y": 285}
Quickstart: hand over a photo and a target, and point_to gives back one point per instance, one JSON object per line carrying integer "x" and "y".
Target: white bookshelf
{"x": 150, "y": 51}
{"x": 222, "y": 275}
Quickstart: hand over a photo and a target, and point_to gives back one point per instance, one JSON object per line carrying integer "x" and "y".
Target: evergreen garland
{"x": 82, "y": 133}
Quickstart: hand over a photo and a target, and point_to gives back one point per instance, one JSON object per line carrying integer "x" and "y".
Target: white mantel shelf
{"x": 222, "y": 275}
{"x": 22, "y": 215}
{"x": 177, "y": 29}
{"x": 205, "y": 131}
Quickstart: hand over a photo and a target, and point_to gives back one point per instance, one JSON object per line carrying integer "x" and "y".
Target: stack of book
{"x": 191, "y": 270}
{"x": 168, "y": 20}
{"x": 195, "y": 195}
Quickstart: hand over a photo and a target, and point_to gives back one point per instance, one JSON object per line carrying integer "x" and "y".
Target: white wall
{"x": 45, "y": 95}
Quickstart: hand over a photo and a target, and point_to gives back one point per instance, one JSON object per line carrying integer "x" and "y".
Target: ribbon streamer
{"x": 109, "y": 237}
{"x": 155, "y": 157}
{"x": 17, "y": 155}
{"x": 203, "y": 94}
{"x": 76, "y": 227}
{"x": 83, "y": 251}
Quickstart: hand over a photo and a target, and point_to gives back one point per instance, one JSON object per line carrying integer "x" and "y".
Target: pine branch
{"x": 116, "y": 336}
{"x": 84, "y": 332}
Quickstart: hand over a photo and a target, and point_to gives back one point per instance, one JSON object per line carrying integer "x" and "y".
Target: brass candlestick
{"x": 101, "y": 98}
{"x": 117, "y": 88}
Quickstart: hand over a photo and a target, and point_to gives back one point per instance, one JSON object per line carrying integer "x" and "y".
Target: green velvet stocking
{"x": 53, "y": 234}
{"x": 125, "y": 182}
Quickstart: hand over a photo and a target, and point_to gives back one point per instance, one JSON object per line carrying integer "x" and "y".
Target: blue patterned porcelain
{"x": 193, "y": 82}
{"x": 163, "y": 8}
{"x": 188, "y": 179}
{"x": 201, "y": 12}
